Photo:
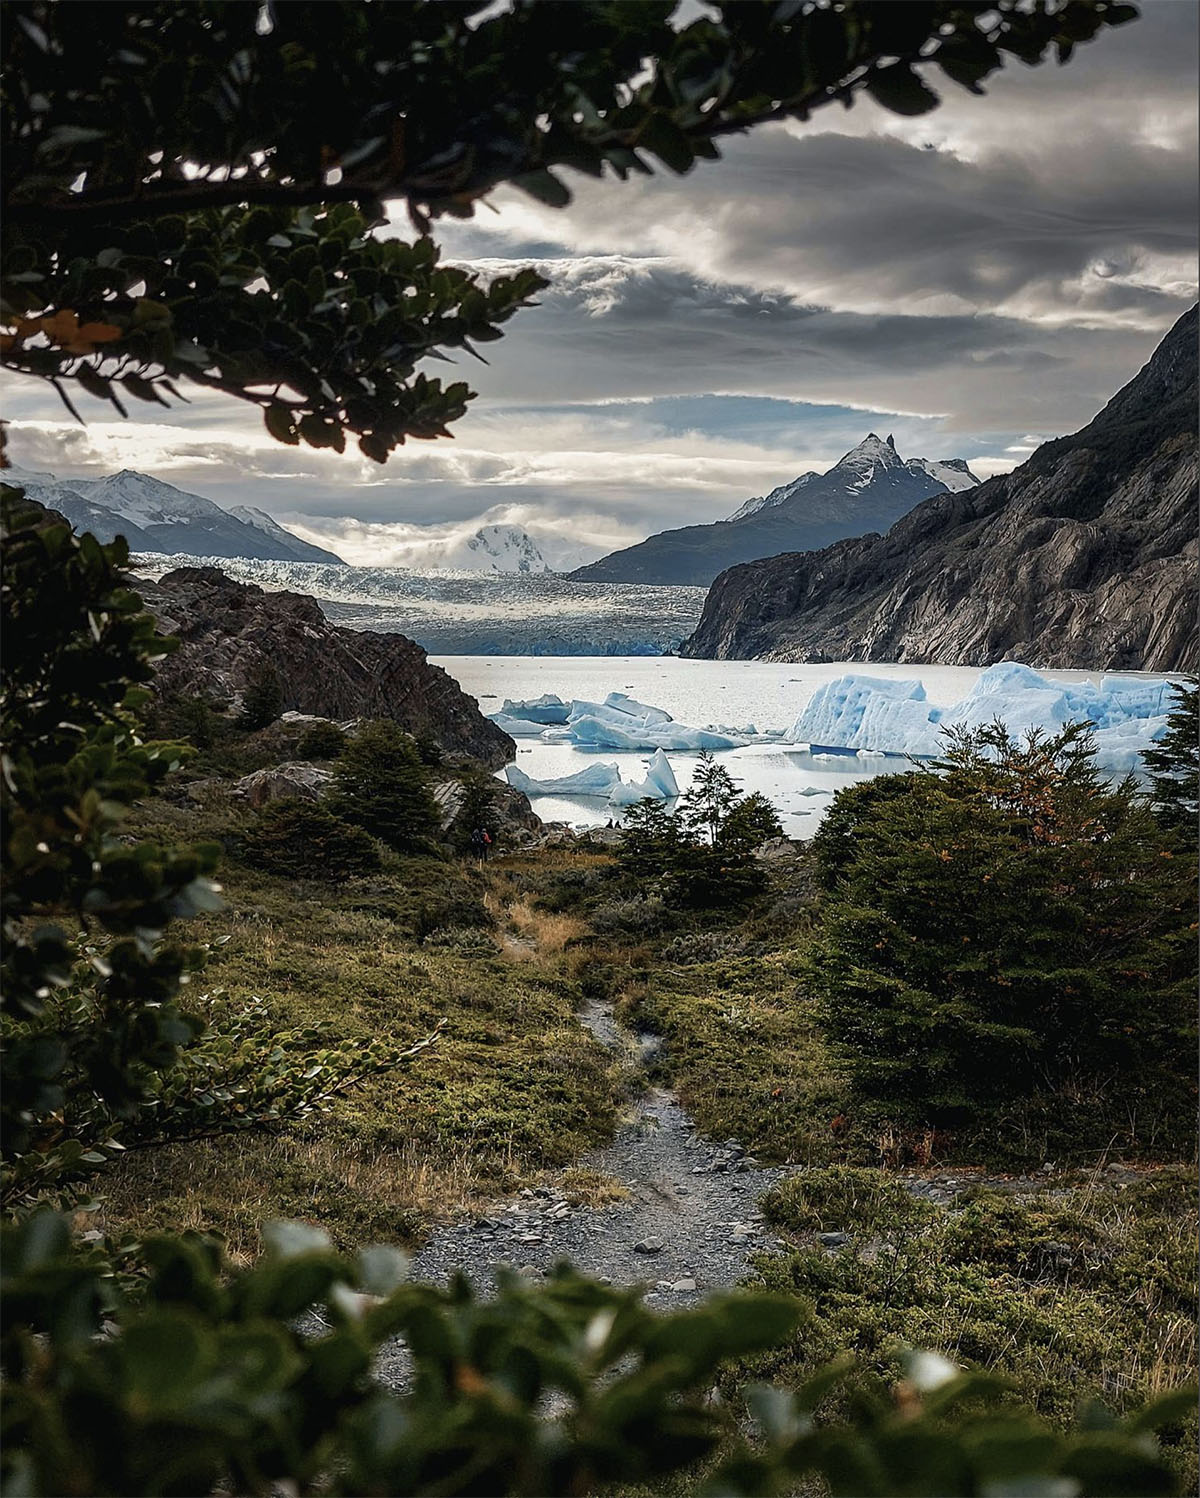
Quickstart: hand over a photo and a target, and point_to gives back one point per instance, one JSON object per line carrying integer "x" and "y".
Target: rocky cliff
{"x": 1084, "y": 556}
{"x": 231, "y": 631}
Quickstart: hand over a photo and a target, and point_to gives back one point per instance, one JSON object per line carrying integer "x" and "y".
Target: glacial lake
{"x": 732, "y": 694}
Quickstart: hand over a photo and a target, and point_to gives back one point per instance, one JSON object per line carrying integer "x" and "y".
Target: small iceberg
{"x": 595, "y": 780}
{"x": 544, "y": 710}
{"x": 619, "y": 722}
{"x": 517, "y": 728}
{"x": 659, "y": 784}
{"x": 603, "y": 782}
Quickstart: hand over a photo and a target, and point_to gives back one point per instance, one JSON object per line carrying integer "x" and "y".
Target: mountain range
{"x": 868, "y": 489}
{"x": 157, "y": 517}
{"x": 1084, "y": 556}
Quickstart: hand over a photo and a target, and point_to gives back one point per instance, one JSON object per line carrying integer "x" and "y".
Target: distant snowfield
{"x": 734, "y": 695}
{"x": 474, "y": 613}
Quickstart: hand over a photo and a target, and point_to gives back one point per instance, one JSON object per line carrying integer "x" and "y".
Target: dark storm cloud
{"x": 995, "y": 269}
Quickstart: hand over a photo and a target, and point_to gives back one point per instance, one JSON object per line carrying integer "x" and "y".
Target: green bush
{"x": 305, "y": 840}
{"x": 1005, "y": 947}
{"x": 844, "y": 1198}
{"x": 221, "y": 1378}
{"x": 262, "y": 701}
{"x": 323, "y": 740}
{"x": 702, "y": 852}
{"x": 1071, "y": 1295}
{"x": 383, "y": 787}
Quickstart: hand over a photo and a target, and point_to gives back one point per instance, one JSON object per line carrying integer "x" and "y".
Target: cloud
{"x": 994, "y": 269}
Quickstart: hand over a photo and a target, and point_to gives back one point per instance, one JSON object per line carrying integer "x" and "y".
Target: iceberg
{"x": 866, "y": 713}
{"x": 516, "y": 728}
{"x": 605, "y": 733}
{"x": 545, "y": 709}
{"x": 659, "y": 784}
{"x": 595, "y": 780}
{"x": 869, "y": 712}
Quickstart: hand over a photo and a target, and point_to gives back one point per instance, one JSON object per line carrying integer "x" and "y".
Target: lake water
{"x": 703, "y": 693}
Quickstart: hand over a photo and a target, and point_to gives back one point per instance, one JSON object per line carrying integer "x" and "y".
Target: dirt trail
{"x": 687, "y": 1227}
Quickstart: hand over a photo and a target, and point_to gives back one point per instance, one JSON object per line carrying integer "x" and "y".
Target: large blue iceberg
{"x": 869, "y": 713}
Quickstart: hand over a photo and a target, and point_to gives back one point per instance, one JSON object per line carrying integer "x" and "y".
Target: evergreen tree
{"x": 1174, "y": 764}
{"x": 262, "y": 701}
{"x": 710, "y": 798}
{"x": 382, "y": 786}
{"x": 748, "y": 824}
{"x": 1006, "y": 928}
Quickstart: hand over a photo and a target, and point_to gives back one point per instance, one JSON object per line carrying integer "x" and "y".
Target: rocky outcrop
{"x": 231, "y": 633}
{"x": 1084, "y": 556}
{"x": 293, "y": 780}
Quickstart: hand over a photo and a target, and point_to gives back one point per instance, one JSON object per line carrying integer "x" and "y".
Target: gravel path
{"x": 687, "y": 1227}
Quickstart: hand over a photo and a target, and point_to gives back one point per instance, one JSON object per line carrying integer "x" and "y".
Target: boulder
{"x": 294, "y": 778}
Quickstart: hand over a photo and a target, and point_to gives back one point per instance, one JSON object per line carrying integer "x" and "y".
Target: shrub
{"x": 323, "y": 740}
{"x": 262, "y": 701}
{"x": 382, "y": 786}
{"x": 305, "y": 840}
{"x": 1006, "y": 929}
{"x": 1174, "y": 765}
{"x": 640, "y": 915}
{"x": 844, "y": 1198}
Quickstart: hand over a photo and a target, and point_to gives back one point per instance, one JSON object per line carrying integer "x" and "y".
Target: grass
{"x": 515, "y": 1085}
{"x": 1083, "y": 1291}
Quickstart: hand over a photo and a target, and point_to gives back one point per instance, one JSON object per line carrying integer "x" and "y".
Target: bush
{"x": 382, "y": 786}
{"x": 844, "y": 1198}
{"x": 262, "y": 701}
{"x": 640, "y": 915}
{"x": 1007, "y": 938}
{"x": 304, "y": 840}
{"x": 323, "y": 740}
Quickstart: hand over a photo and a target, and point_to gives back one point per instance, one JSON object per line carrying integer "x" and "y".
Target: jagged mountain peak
{"x": 1084, "y": 556}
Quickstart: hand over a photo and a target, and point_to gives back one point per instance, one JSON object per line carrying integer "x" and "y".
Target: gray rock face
{"x": 1084, "y": 556}
{"x": 231, "y": 631}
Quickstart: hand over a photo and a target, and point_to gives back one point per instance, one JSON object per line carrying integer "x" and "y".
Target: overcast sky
{"x": 973, "y": 281}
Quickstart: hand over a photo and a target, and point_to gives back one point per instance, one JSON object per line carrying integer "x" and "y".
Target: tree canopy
{"x": 194, "y": 187}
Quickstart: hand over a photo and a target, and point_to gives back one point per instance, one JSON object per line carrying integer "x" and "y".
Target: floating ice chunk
{"x": 596, "y": 780}
{"x": 516, "y": 728}
{"x": 544, "y": 709}
{"x": 635, "y": 709}
{"x": 868, "y": 714}
{"x": 600, "y": 732}
{"x": 659, "y": 784}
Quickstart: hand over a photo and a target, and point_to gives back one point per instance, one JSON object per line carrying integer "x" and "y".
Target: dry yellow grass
{"x": 528, "y": 934}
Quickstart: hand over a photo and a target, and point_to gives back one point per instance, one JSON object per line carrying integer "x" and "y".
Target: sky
{"x": 973, "y": 281}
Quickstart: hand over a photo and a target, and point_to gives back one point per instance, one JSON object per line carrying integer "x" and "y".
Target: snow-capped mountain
{"x": 862, "y": 465}
{"x": 493, "y": 548}
{"x": 292, "y": 546}
{"x": 156, "y": 517}
{"x": 867, "y": 490}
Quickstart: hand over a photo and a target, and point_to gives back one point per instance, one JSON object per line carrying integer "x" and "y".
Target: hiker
{"x": 480, "y": 843}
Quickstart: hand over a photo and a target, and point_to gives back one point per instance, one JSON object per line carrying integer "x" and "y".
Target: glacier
{"x": 873, "y": 714}
{"x": 481, "y": 613}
